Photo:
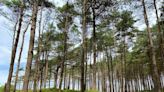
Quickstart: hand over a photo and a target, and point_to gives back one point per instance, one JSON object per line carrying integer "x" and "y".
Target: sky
{"x": 6, "y": 33}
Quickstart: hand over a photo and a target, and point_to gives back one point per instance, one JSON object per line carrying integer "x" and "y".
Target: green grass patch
{"x": 2, "y": 89}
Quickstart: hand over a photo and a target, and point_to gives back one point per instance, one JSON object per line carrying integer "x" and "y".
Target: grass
{"x": 57, "y": 90}
{"x": 1, "y": 88}
{"x": 44, "y": 90}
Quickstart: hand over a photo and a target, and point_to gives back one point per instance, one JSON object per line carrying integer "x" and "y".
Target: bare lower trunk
{"x": 69, "y": 80}
{"x": 56, "y": 77}
{"x": 46, "y": 70}
{"x": 41, "y": 80}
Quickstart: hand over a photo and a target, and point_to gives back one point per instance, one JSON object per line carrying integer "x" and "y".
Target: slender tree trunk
{"x": 31, "y": 46}
{"x": 109, "y": 62}
{"x": 103, "y": 80}
{"x": 69, "y": 80}
{"x": 65, "y": 75}
{"x": 46, "y": 69}
{"x": 65, "y": 53}
{"x": 50, "y": 77}
{"x": 36, "y": 74}
{"x": 83, "y": 59}
{"x": 56, "y": 77}
{"x": 98, "y": 82}
{"x": 124, "y": 63}
{"x": 94, "y": 49}
{"x": 19, "y": 59}
{"x": 159, "y": 33}
{"x": 155, "y": 74}
{"x": 41, "y": 79}
{"x": 73, "y": 79}
{"x": 122, "y": 73}
{"x": 14, "y": 49}
{"x": 15, "y": 31}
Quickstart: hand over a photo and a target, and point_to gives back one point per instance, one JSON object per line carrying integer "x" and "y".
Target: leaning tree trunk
{"x": 31, "y": 46}
{"x": 15, "y": 31}
{"x": 19, "y": 59}
{"x": 155, "y": 73}
{"x": 160, "y": 36}
{"x": 14, "y": 49}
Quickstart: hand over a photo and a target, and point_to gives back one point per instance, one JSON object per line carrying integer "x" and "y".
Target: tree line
{"x": 87, "y": 45}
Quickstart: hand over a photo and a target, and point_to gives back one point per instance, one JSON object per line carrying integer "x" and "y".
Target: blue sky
{"x": 6, "y": 41}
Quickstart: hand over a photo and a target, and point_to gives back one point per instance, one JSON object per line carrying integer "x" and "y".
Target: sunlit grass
{"x": 1, "y": 89}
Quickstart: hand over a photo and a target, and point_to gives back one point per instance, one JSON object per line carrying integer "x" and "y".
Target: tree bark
{"x": 155, "y": 73}
{"x": 36, "y": 74}
{"x": 65, "y": 53}
{"x": 160, "y": 35}
{"x": 14, "y": 49}
{"x": 83, "y": 59}
{"x": 19, "y": 59}
{"x": 56, "y": 77}
{"x": 46, "y": 69}
{"x": 31, "y": 46}
{"x": 94, "y": 48}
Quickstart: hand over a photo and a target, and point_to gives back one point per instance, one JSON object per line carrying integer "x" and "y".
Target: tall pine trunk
{"x": 65, "y": 53}
{"x": 155, "y": 73}
{"x": 36, "y": 74}
{"x": 94, "y": 48}
{"x": 31, "y": 46}
{"x": 46, "y": 69}
{"x": 14, "y": 49}
{"x": 160, "y": 36}
{"x": 19, "y": 58}
{"x": 56, "y": 76}
{"x": 83, "y": 59}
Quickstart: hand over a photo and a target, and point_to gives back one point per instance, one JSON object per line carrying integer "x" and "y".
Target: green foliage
{"x": 11, "y": 3}
{"x": 75, "y": 29}
{"x": 67, "y": 7}
{"x": 126, "y": 21}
